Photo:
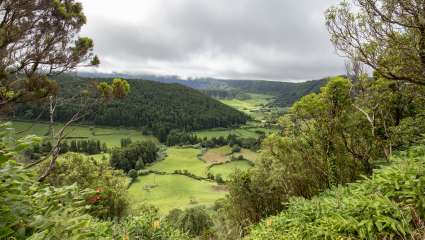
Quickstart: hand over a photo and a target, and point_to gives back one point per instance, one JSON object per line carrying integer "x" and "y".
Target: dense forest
{"x": 157, "y": 108}
{"x": 286, "y": 93}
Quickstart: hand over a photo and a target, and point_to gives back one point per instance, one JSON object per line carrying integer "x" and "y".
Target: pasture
{"x": 110, "y": 136}
{"x": 176, "y": 191}
{"x": 244, "y": 132}
{"x": 173, "y": 191}
{"x": 229, "y": 168}
{"x": 217, "y": 155}
{"x": 181, "y": 159}
{"x": 256, "y": 106}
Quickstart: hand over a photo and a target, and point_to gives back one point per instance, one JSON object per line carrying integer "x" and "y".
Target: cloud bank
{"x": 238, "y": 39}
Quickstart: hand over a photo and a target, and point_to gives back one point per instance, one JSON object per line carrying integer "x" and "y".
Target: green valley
{"x": 131, "y": 120}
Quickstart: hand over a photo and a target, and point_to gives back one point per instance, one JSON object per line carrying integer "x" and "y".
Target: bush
{"x": 139, "y": 164}
{"x": 133, "y": 174}
{"x": 144, "y": 172}
{"x": 110, "y": 199}
{"x": 219, "y": 179}
{"x": 194, "y": 221}
{"x": 236, "y": 149}
{"x": 389, "y": 205}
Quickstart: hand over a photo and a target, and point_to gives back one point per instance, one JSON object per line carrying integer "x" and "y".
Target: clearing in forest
{"x": 173, "y": 191}
{"x": 181, "y": 159}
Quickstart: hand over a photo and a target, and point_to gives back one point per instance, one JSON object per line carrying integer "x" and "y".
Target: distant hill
{"x": 286, "y": 93}
{"x": 155, "y": 107}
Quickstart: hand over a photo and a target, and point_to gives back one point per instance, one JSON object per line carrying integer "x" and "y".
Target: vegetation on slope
{"x": 155, "y": 107}
{"x": 286, "y": 93}
{"x": 388, "y": 205}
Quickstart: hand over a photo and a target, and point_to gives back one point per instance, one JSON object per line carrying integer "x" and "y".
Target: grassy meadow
{"x": 244, "y": 132}
{"x": 110, "y": 136}
{"x": 177, "y": 191}
{"x": 254, "y": 106}
{"x": 217, "y": 155}
{"x": 229, "y": 168}
{"x": 173, "y": 191}
{"x": 181, "y": 159}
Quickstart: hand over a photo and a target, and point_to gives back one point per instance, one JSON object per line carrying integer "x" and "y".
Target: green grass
{"x": 173, "y": 191}
{"x": 215, "y": 155}
{"x": 110, "y": 136}
{"x": 255, "y": 106}
{"x": 248, "y": 155}
{"x": 225, "y": 150}
{"x": 228, "y": 168}
{"x": 244, "y": 132}
{"x": 181, "y": 159}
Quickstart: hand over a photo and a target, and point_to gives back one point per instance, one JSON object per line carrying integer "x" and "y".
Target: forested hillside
{"x": 286, "y": 93}
{"x": 155, "y": 107}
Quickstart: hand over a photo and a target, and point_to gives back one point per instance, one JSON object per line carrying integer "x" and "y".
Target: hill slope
{"x": 286, "y": 93}
{"x": 155, "y": 107}
{"x": 389, "y": 205}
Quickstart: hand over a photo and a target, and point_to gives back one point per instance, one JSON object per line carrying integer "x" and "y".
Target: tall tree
{"x": 38, "y": 39}
{"x": 386, "y": 35}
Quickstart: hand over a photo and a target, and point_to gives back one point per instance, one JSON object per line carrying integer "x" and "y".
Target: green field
{"x": 244, "y": 132}
{"x": 164, "y": 191}
{"x": 228, "y": 168}
{"x": 256, "y": 106}
{"x": 110, "y": 136}
{"x": 181, "y": 159}
{"x": 176, "y": 191}
{"x": 173, "y": 191}
{"x": 217, "y": 155}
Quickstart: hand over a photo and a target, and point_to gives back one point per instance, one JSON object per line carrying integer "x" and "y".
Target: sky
{"x": 238, "y": 39}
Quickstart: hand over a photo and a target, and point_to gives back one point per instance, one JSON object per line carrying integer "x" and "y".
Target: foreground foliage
{"x": 33, "y": 210}
{"x": 389, "y": 205}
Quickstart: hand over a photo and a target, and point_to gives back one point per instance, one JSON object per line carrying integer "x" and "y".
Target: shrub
{"x": 389, "y": 205}
{"x": 133, "y": 174}
{"x": 110, "y": 199}
{"x": 219, "y": 179}
{"x": 236, "y": 149}
{"x": 194, "y": 221}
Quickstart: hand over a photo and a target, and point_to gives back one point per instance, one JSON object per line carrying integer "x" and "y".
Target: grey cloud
{"x": 275, "y": 39}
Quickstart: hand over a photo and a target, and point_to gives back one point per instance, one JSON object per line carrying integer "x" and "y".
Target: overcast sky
{"x": 240, "y": 39}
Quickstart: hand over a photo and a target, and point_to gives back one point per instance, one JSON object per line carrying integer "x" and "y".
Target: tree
{"x": 133, "y": 174}
{"x": 134, "y": 156}
{"x": 110, "y": 200}
{"x": 194, "y": 221}
{"x": 39, "y": 39}
{"x": 236, "y": 149}
{"x": 386, "y": 35}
